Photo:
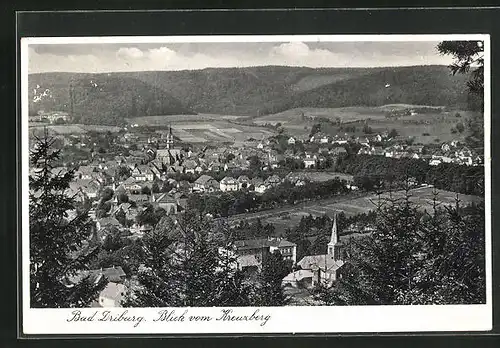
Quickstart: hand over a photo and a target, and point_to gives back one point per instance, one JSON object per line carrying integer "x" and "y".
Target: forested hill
{"x": 110, "y": 97}
{"x": 420, "y": 85}
{"x": 100, "y": 98}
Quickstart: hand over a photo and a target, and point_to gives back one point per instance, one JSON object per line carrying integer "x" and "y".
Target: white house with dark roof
{"x": 206, "y": 183}
{"x": 229, "y": 183}
{"x": 324, "y": 268}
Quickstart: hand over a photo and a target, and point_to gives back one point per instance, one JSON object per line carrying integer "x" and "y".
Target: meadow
{"x": 422, "y": 197}
{"x": 433, "y": 126}
{"x": 71, "y": 129}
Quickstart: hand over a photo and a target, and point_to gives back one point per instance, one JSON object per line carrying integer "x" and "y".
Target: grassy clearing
{"x": 433, "y": 126}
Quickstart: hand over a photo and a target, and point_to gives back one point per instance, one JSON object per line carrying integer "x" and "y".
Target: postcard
{"x": 255, "y": 184}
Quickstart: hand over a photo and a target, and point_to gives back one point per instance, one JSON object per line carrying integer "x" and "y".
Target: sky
{"x": 114, "y": 57}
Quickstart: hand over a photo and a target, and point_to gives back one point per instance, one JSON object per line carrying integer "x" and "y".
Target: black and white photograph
{"x": 251, "y": 183}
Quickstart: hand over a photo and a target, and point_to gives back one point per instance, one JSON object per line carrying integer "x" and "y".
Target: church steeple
{"x": 333, "y": 237}
{"x": 170, "y": 138}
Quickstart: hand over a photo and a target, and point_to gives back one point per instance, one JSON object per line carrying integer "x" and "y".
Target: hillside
{"x": 112, "y": 97}
{"x": 421, "y": 85}
{"x": 100, "y": 98}
{"x": 242, "y": 91}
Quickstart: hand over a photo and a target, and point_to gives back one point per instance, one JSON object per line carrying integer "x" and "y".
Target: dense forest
{"x": 111, "y": 97}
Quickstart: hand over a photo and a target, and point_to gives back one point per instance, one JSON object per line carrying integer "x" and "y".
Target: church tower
{"x": 333, "y": 238}
{"x": 170, "y": 139}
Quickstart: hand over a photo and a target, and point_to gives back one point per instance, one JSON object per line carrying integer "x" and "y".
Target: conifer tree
{"x": 271, "y": 292}
{"x": 190, "y": 261}
{"x": 59, "y": 248}
{"x": 415, "y": 257}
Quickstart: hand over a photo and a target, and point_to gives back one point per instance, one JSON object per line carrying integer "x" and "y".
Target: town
{"x": 290, "y": 180}
{"x": 129, "y": 179}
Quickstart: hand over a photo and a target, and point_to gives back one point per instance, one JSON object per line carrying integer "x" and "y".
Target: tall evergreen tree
{"x": 469, "y": 59}
{"x": 415, "y": 257}
{"x": 59, "y": 248}
{"x": 271, "y": 292}
{"x": 190, "y": 262}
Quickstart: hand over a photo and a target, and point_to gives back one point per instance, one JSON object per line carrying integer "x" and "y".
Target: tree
{"x": 415, "y": 257}
{"x": 469, "y": 60}
{"x": 460, "y": 127}
{"x": 274, "y": 269}
{"x": 123, "y": 172}
{"x": 147, "y": 216}
{"x": 189, "y": 262}
{"x": 59, "y": 246}
{"x": 393, "y": 133}
{"x": 367, "y": 129}
{"x": 155, "y": 188}
{"x": 107, "y": 194}
{"x": 145, "y": 190}
{"x": 315, "y": 129}
{"x": 121, "y": 217}
{"x": 122, "y": 198}
{"x": 103, "y": 209}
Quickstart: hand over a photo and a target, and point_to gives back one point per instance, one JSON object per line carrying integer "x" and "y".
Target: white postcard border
{"x": 313, "y": 319}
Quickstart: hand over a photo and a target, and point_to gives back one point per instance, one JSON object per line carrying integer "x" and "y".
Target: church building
{"x": 169, "y": 155}
{"x": 319, "y": 268}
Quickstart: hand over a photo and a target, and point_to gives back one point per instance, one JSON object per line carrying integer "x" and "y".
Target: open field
{"x": 72, "y": 129}
{"x": 423, "y": 197}
{"x": 218, "y": 131}
{"x": 436, "y": 123}
{"x": 169, "y": 119}
{"x": 289, "y": 217}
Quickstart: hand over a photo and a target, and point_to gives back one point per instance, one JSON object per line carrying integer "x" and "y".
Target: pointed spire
{"x": 334, "y": 236}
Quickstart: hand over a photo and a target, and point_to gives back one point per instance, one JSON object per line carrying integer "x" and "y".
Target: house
{"x": 112, "y": 295}
{"x": 325, "y": 139}
{"x": 252, "y": 252}
{"x": 299, "y": 279}
{"x": 256, "y": 181}
{"x": 310, "y": 161}
{"x": 261, "y": 188}
{"x": 107, "y": 222}
{"x": 165, "y": 201}
{"x": 243, "y": 181}
{"x": 206, "y": 183}
{"x": 338, "y": 151}
{"x": 84, "y": 172}
{"x": 273, "y": 180}
{"x": 340, "y": 140}
{"x": 325, "y": 268}
{"x": 184, "y": 186}
{"x": 54, "y": 116}
{"x": 418, "y": 149}
{"x": 228, "y": 183}
{"x": 142, "y": 173}
{"x": 190, "y": 166}
{"x": 90, "y": 187}
{"x": 138, "y": 198}
{"x": 199, "y": 169}
{"x": 291, "y": 141}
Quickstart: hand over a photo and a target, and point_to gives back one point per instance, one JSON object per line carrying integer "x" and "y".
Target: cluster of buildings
{"x": 452, "y": 152}
{"x": 51, "y": 117}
